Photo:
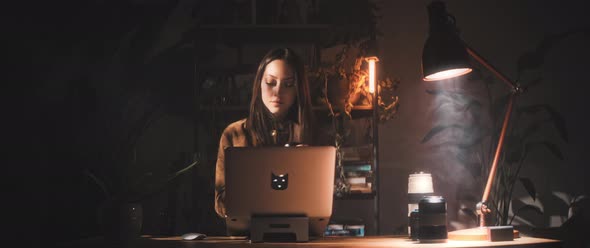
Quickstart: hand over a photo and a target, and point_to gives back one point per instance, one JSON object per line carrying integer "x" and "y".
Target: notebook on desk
{"x": 279, "y": 181}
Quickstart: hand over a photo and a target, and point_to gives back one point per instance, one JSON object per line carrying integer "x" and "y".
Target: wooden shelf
{"x": 264, "y": 34}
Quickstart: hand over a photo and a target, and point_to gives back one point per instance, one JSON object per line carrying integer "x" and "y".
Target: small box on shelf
{"x": 361, "y": 153}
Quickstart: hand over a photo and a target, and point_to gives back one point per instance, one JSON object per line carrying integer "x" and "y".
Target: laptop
{"x": 279, "y": 181}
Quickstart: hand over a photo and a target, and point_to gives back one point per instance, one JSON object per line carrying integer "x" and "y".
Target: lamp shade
{"x": 444, "y": 54}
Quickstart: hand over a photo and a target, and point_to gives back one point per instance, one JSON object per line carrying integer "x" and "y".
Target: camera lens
{"x": 433, "y": 219}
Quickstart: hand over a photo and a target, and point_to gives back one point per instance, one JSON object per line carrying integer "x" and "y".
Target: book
{"x": 356, "y": 180}
{"x": 366, "y": 174}
{"x": 361, "y": 188}
{"x": 357, "y": 168}
{"x": 356, "y": 162}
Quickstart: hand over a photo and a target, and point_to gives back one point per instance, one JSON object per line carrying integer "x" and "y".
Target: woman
{"x": 280, "y": 113}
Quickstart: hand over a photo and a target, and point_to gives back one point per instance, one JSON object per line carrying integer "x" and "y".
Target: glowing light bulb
{"x": 447, "y": 74}
{"x": 372, "y": 61}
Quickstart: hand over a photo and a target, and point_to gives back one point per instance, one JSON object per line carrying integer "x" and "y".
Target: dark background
{"x": 82, "y": 70}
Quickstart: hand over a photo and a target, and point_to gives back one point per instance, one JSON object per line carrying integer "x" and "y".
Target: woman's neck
{"x": 279, "y": 121}
{"x": 278, "y": 118}
{"x": 281, "y": 131}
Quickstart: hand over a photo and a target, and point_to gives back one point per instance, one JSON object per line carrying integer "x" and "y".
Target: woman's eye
{"x": 287, "y": 84}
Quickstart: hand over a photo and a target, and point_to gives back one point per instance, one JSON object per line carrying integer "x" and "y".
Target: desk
{"x": 369, "y": 241}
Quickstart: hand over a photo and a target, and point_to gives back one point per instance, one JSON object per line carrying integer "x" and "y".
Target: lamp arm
{"x": 513, "y": 86}
{"x": 482, "y": 208}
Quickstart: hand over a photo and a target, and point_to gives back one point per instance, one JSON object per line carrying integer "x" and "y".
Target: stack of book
{"x": 358, "y": 169}
{"x": 359, "y": 177}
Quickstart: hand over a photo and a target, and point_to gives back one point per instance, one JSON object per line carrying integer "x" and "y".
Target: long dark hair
{"x": 261, "y": 122}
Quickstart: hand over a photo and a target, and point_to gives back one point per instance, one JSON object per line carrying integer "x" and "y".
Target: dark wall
{"x": 85, "y": 61}
{"x": 94, "y": 93}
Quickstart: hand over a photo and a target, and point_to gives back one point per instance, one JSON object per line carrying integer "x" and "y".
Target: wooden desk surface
{"x": 369, "y": 241}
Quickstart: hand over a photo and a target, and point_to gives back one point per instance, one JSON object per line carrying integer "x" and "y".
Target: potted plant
{"x": 124, "y": 183}
{"x": 121, "y": 213}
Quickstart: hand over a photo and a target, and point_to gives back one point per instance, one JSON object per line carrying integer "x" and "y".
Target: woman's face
{"x": 278, "y": 87}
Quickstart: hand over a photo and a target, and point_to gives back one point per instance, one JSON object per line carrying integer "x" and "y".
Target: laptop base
{"x": 279, "y": 229}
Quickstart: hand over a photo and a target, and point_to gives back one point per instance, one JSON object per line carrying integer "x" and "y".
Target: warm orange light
{"x": 372, "y": 61}
{"x": 447, "y": 74}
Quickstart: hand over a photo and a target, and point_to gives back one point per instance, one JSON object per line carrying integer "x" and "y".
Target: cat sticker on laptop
{"x": 280, "y": 182}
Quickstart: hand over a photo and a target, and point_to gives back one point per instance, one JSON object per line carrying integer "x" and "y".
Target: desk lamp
{"x": 445, "y": 56}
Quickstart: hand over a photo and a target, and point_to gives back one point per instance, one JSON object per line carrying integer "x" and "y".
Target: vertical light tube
{"x": 374, "y": 91}
{"x": 372, "y": 61}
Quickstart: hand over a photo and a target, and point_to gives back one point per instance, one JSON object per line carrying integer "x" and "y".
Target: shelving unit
{"x": 360, "y": 166}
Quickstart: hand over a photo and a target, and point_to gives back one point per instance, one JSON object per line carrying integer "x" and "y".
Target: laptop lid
{"x": 279, "y": 181}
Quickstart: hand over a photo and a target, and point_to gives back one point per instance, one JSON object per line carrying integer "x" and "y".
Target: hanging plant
{"x": 344, "y": 86}
{"x": 344, "y": 83}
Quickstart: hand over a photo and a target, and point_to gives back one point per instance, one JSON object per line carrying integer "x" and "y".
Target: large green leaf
{"x": 514, "y": 155}
{"x": 526, "y": 208}
{"x": 474, "y": 169}
{"x": 476, "y": 74}
{"x": 472, "y": 104}
{"x": 464, "y": 100}
{"x": 553, "y": 148}
{"x": 499, "y": 106}
{"x": 437, "y": 129}
{"x": 470, "y": 212}
{"x": 529, "y": 187}
{"x": 554, "y": 116}
{"x": 513, "y": 148}
{"x": 533, "y": 109}
{"x": 533, "y": 83}
{"x": 529, "y": 131}
{"x": 150, "y": 185}
{"x": 535, "y": 58}
{"x": 530, "y": 208}
{"x": 559, "y": 123}
{"x": 476, "y": 135}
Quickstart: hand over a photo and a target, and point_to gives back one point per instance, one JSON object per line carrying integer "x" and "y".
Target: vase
{"x": 122, "y": 222}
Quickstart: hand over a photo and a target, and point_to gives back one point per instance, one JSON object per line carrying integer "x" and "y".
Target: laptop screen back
{"x": 279, "y": 181}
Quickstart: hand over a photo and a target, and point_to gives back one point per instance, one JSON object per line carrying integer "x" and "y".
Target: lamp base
{"x": 490, "y": 233}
